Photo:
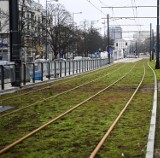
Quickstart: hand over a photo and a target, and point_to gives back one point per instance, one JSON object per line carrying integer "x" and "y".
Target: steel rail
{"x": 42, "y": 88}
{"x": 97, "y": 148}
{"x": 51, "y": 97}
{"x": 5, "y": 149}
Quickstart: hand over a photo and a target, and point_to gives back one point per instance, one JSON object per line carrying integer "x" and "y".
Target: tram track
{"x": 60, "y": 117}
{"x": 56, "y": 95}
{"x": 118, "y": 139}
{"x": 97, "y": 148}
{"x": 63, "y": 114}
{"x": 50, "y": 85}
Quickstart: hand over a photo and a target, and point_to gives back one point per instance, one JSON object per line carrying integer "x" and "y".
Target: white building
{"x": 31, "y": 17}
{"x": 120, "y": 44}
{"x": 4, "y": 27}
{"x": 121, "y": 47}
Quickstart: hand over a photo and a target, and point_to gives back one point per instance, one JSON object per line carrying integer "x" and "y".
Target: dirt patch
{"x": 146, "y": 89}
{"x": 159, "y": 86}
{"x": 157, "y": 153}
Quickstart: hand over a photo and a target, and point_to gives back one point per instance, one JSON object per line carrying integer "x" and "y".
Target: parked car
{"x": 60, "y": 59}
{"x": 86, "y": 58}
{"x": 78, "y": 58}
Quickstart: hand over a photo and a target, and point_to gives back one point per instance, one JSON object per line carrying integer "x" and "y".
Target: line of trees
{"x": 63, "y": 36}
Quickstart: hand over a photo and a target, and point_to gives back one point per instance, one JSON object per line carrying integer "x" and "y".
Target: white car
{"x": 78, "y": 58}
{"x": 60, "y": 59}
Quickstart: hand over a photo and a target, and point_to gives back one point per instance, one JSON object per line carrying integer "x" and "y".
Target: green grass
{"x": 76, "y": 134}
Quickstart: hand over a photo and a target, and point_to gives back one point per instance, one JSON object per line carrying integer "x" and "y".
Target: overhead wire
{"x": 137, "y": 15}
{"x": 135, "y": 12}
{"x": 96, "y": 7}
{"x": 113, "y": 14}
{"x": 134, "y": 6}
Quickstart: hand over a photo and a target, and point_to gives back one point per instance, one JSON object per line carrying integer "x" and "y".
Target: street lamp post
{"x": 73, "y": 25}
{"x": 46, "y": 27}
{"x": 108, "y": 38}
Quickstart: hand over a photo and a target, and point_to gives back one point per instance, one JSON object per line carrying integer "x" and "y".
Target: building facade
{"x": 115, "y": 33}
{"x": 141, "y": 35}
{"x": 4, "y": 27}
{"x": 32, "y": 22}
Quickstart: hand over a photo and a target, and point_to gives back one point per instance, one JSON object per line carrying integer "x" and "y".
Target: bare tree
{"x": 60, "y": 30}
{"x": 4, "y": 16}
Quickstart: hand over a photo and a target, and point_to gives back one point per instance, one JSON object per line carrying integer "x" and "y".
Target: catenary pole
{"x": 157, "y": 51}
{"x": 150, "y": 51}
{"x": 15, "y": 41}
{"x": 153, "y": 48}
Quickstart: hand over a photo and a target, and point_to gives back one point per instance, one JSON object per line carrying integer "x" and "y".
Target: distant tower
{"x": 115, "y": 33}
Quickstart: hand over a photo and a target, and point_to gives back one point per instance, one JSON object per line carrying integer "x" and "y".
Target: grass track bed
{"x": 81, "y": 130}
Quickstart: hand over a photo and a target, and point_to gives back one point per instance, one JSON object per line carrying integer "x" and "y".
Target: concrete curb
{"x": 152, "y": 130}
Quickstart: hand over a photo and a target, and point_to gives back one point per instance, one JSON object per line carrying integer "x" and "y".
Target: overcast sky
{"x": 92, "y": 10}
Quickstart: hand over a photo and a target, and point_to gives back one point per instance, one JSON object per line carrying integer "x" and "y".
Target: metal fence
{"x": 40, "y": 71}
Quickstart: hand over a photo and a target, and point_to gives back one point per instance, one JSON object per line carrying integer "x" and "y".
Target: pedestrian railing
{"x": 37, "y": 72}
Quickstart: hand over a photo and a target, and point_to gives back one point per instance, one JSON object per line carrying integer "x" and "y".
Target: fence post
{"x": 24, "y": 74}
{"x": 55, "y": 70}
{"x": 49, "y": 70}
{"x": 60, "y": 71}
{"x": 73, "y": 66}
{"x": 33, "y": 73}
{"x": 65, "y": 68}
{"x": 69, "y": 67}
{"x": 41, "y": 71}
{"x": 2, "y": 77}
